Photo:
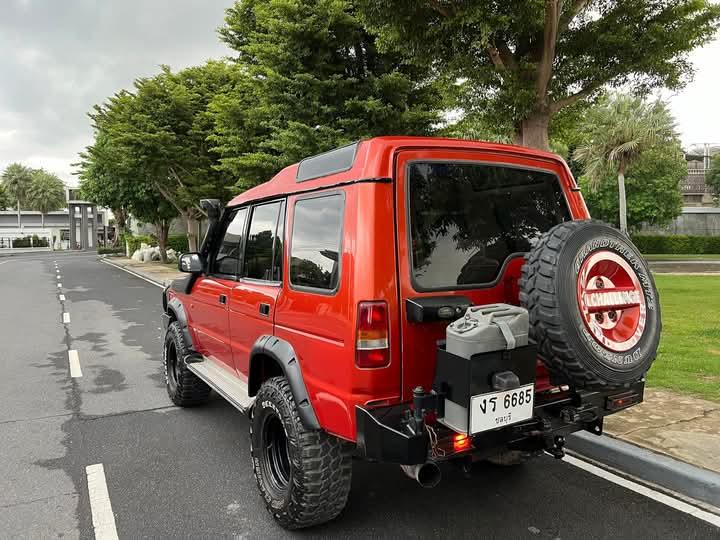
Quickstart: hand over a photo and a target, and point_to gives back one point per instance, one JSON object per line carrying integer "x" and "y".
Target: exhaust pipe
{"x": 427, "y": 474}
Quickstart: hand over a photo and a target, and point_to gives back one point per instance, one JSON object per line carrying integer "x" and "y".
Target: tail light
{"x": 372, "y": 347}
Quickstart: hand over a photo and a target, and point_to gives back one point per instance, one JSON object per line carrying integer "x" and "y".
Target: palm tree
{"x": 616, "y": 132}
{"x": 17, "y": 179}
{"x": 46, "y": 193}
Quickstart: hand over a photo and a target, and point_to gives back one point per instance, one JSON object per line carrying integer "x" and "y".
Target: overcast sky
{"x": 59, "y": 57}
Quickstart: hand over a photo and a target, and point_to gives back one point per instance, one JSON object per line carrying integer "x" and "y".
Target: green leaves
{"x": 520, "y": 59}
{"x": 652, "y": 184}
{"x": 46, "y": 192}
{"x": 17, "y": 179}
{"x": 310, "y": 78}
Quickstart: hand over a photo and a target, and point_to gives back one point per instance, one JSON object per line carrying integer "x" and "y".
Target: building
{"x": 694, "y": 189}
{"x": 90, "y": 226}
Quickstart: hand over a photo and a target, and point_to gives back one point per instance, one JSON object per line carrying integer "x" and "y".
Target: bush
{"x": 134, "y": 242}
{"x": 178, "y": 242}
{"x": 677, "y": 244}
{"x": 27, "y": 242}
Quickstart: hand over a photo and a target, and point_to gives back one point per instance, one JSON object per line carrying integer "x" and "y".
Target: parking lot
{"x": 89, "y": 432}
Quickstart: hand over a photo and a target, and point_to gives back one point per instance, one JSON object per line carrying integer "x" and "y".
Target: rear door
{"x": 465, "y": 220}
{"x": 253, "y": 297}
{"x": 211, "y": 293}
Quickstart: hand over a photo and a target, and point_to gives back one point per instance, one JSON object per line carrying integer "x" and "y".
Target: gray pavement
{"x": 175, "y": 473}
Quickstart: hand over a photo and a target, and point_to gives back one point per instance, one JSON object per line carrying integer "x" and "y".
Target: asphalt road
{"x": 175, "y": 473}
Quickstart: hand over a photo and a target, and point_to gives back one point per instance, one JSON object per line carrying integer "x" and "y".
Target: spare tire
{"x": 593, "y": 306}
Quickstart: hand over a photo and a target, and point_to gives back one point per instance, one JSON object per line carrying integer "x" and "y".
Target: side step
{"x": 231, "y": 388}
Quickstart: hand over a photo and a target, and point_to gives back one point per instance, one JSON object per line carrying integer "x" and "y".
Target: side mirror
{"x": 191, "y": 263}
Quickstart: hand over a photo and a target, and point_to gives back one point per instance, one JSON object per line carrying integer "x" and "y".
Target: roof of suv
{"x": 368, "y": 159}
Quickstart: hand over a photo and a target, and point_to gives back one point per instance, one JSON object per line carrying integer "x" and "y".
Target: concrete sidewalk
{"x": 160, "y": 273}
{"x": 676, "y": 425}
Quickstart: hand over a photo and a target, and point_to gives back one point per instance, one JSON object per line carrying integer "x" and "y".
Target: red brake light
{"x": 461, "y": 442}
{"x": 372, "y": 347}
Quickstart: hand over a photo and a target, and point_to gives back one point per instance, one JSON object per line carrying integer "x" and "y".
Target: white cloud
{"x": 60, "y": 58}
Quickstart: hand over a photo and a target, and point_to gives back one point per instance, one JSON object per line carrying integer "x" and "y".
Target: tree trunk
{"x": 42, "y": 220}
{"x": 19, "y": 219}
{"x": 162, "y": 229}
{"x": 192, "y": 227}
{"x": 533, "y": 131}
{"x": 622, "y": 203}
{"x": 120, "y": 223}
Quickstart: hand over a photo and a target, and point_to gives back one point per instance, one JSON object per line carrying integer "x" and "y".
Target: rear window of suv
{"x": 468, "y": 219}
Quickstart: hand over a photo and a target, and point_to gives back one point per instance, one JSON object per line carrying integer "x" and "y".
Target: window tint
{"x": 262, "y": 239}
{"x": 466, "y": 219}
{"x": 228, "y": 255}
{"x": 315, "y": 244}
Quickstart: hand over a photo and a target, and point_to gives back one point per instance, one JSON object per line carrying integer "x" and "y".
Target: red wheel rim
{"x": 611, "y": 301}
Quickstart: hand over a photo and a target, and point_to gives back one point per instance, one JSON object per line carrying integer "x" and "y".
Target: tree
{"x": 653, "y": 189}
{"x": 4, "y": 199}
{"x": 46, "y": 193}
{"x": 309, "y": 77}
{"x": 519, "y": 62}
{"x": 17, "y": 179}
{"x": 110, "y": 175}
{"x": 616, "y": 134}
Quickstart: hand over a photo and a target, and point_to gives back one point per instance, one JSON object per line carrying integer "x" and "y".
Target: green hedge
{"x": 135, "y": 241}
{"x": 26, "y": 242}
{"x": 178, "y": 242}
{"x": 677, "y": 244}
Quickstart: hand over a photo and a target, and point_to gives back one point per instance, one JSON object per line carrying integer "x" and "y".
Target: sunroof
{"x": 335, "y": 161}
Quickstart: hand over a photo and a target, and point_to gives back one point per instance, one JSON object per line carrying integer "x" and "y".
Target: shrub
{"x": 178, "y": 242}
{"x": 677, "y": 244}
{"x": 134, "y": 242}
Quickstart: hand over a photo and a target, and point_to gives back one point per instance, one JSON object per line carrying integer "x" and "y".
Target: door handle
{"x": 222, "y": 299}
{"x": 264, "y": 309}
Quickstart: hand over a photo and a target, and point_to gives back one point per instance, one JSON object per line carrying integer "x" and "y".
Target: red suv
{"x": 375, "y": 301}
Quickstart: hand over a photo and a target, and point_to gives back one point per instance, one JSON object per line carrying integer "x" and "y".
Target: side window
{"x": 227, "y": 258}
{"x": 263, "y": 249}
{"x": 315, "y": 243}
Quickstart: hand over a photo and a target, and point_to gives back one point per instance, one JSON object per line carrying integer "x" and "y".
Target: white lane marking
{"x": 58, "y": 276}
{"x": 66, "y": 317}
{"x": 133, "y": 273}
{"x": 4, "y": 262}
{"x": 62, "y": 297}
{"x": 667, "y": 500}
{"x": 74, "y": 361}
{"x": 59, "y": 285}
{"x": 102, "y": 514}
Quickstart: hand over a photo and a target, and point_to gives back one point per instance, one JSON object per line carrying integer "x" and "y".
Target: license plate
{"x": 498, "y": 409}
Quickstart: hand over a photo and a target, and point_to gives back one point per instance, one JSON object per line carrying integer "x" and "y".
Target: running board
{"x": 229, "y": 387}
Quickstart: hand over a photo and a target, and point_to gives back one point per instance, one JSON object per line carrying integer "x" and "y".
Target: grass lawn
{"x": 677, "y": 257}
{"x": 689, "y": 357}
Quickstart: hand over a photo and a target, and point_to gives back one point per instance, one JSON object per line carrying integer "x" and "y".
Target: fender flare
{"x": 284, "y": 355}
{"x": 176, "y": 307}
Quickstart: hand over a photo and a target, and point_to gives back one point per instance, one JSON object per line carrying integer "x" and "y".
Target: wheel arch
{"x": 176, "y": 312}
{"x": 271, "y": 356}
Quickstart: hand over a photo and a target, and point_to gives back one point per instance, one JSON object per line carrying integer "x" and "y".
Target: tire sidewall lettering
{"x": 635, "y": 356}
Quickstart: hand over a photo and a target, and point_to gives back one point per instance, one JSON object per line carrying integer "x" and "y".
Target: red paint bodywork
{"x": 375, "y": 266}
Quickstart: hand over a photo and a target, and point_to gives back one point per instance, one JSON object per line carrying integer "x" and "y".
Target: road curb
{"x": 136, "y": 273}
{"x": 682, "y": 478}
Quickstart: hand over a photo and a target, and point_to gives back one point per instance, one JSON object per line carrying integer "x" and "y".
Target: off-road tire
{"x": 184, "y": 387}
{"x": 549, "y": 291}
{"x": 320, "y": 465}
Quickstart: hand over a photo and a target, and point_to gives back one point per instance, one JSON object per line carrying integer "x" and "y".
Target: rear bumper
{"x": 384, "y": 434}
